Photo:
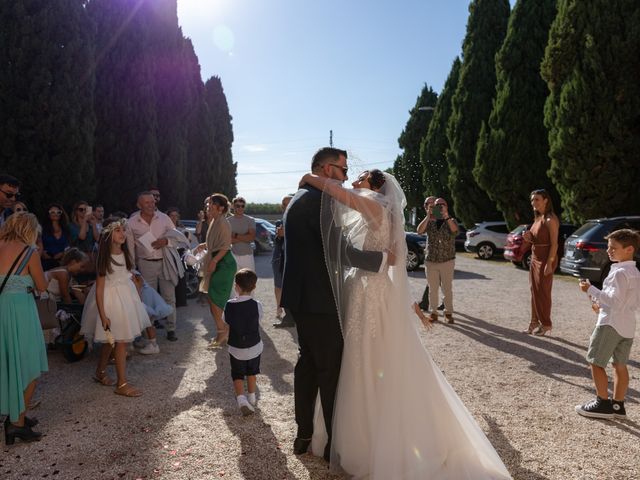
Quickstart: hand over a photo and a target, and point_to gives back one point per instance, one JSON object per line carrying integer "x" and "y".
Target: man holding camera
{"x": 441, "y": 230}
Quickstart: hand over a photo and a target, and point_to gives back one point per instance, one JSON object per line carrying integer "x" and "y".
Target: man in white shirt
{"x": 243, "y": 232}
{"x": 146, "y": 232}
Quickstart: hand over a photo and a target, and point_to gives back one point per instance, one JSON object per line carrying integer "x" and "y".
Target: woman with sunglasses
{"x": 20, "y": 207}
{"x": 55, "y": 236}
{"x": 83, "y": 227}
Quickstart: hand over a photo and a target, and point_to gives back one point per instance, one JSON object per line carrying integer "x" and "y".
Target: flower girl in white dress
{"x": 113, "y": 313}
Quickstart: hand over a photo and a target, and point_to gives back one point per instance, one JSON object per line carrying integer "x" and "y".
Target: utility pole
{"x": 331, "y": 138}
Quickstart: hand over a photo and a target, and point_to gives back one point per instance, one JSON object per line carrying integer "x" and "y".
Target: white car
{"x": 486, "y": 239}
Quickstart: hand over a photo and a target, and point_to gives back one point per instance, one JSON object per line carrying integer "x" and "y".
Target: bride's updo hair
{"x": 376, "y": 179}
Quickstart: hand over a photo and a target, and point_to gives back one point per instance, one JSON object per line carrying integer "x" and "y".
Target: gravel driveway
{"x": 521, "y": 389}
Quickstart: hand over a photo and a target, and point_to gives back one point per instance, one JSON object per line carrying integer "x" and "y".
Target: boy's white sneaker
{"x": 252, "y": 399}
{"x": 245, "y": 407}
{"x": 150, "y": 349}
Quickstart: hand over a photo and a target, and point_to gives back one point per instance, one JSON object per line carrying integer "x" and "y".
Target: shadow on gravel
{"x": 465, "y": 275}
{"x": 457, "y": 275}
{"x": 511, "y": 457}
{"x": 279, "y": 367}
{"x": 627, "y": 426}
{"x": 567, "y": 362}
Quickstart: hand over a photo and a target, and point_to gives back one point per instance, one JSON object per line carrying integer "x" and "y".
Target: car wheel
{"x": 526, "y": 261}
{"x": 486, "y": 250}
{"x": 413, "y": 260}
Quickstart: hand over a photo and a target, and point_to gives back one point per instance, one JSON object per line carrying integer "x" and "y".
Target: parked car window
{"x": 584, "y": 228}
{"x": 498, "y": 228}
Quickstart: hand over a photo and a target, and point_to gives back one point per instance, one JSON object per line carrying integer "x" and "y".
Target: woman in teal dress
{"x": 22, "y": 352}
{"x": 218, "y": 266}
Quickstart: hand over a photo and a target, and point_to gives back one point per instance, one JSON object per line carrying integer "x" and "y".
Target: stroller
{"x": 64, "y": 322}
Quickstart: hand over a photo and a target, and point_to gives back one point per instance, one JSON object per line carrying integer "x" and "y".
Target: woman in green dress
{"x": 218, "y": 266}
{"x": 22, "y": 352}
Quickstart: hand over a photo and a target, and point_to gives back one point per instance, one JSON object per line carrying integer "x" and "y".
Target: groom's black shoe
{"x": 301, "y": 445}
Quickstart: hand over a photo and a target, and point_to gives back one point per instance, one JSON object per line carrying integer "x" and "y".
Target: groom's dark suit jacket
{"x": 306, "y": 286}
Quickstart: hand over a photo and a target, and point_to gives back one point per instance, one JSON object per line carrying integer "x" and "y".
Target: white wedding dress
{"x": 396, "y": 416}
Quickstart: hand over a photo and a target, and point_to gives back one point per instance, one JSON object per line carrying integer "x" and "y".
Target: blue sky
{"x": 294, "y": 70}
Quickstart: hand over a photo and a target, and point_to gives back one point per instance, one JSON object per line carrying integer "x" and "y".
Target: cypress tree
{"x": 175, "y": 95}
{"x": 410, "y": 139}
{"x": 513, "y": 151}
{"x": 225, "y": 180}
{"x": 46, "y": 99}
{"x": 201, "y": 167}
{"x": 592, "y": 67}
{"x": 435, "y": 144}
{"x": 471, "y": 105}
{"x": 126, "y": 145}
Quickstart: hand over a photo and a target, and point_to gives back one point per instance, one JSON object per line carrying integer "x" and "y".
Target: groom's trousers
{"x": 318, "y": 368}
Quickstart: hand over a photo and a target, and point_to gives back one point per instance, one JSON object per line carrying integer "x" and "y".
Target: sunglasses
{"x": 344, "y": 169}
{"x": 81, "y": 209}
{"x": 238, "y": 205}
{"x": 10, "y": 194}
{"x": 538, "y": 191}
{"x": 55, "y": 212}
{"x": 19, "y": 209}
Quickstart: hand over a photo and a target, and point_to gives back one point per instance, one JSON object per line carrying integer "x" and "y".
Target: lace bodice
{"x": 120, "y": 273}
{"x": 17, "y": 284}
{"x": 377, "y": 239}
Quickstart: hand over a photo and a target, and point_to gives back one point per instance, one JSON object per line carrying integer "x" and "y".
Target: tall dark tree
{"x": 435, "y": 144}
{"x": 513, "y": 151}
{"x": 592, "y": 69}
{"x": 471, "y": 105}
{"x": 46, "y": 99}
{"x": 225, "y": 180}
{"x": 126, "y": 143}
{"x": 175, "y": 93}
{"x": 201, "y": 166}
{"x": 409, "y": 167}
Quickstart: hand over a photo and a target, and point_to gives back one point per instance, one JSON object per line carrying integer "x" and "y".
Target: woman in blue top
{"x": 55, "y": 236}
{"x": 22, "y": 353}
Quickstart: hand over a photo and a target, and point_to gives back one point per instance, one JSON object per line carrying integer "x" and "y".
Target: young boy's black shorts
{"x": 244, "y": 368}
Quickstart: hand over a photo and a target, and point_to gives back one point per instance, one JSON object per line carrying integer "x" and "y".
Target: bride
{"x": 395, "y": 416}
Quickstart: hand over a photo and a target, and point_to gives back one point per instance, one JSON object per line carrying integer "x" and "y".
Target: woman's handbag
{"x": 47, "y": 309}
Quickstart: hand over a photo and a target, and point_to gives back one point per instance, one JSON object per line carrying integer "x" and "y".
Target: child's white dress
{"x": 122, "y": 305}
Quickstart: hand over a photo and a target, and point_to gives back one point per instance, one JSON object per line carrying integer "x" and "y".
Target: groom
{"x": 307, "y": 293}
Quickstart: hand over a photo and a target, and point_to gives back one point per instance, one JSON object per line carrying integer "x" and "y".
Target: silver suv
{"x": 486, "y": 239}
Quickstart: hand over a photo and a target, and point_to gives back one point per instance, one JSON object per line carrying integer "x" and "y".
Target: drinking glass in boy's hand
{"x": 584, "y": 284}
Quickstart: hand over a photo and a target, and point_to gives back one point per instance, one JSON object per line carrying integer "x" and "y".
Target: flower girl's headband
{"x": 121, "y": 222}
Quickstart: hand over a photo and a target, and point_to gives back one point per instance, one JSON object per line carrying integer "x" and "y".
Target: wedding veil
{"x": 345, "y": 229}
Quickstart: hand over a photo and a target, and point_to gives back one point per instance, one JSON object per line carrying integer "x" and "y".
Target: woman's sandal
{"x": 127, "y": 390}
{"x": 541, "y": 331}
{"x": 103, "y": 379}
{"x": 532, "y": 327}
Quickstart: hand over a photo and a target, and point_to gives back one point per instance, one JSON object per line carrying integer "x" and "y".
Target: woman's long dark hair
{"x": 545, "y": 195}
{"x": 104, "y": 261}
{"x": 47, "y": 226}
